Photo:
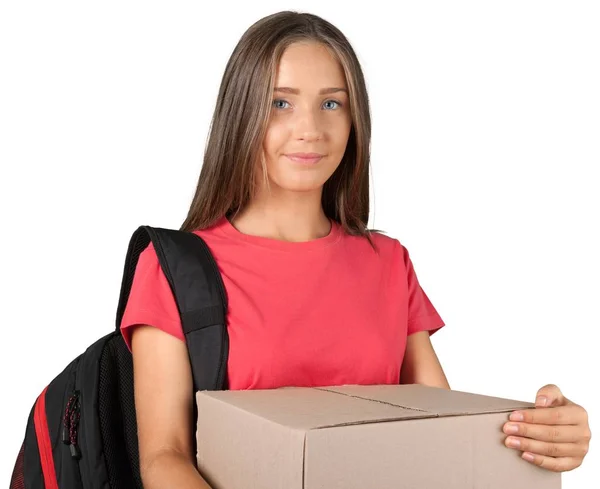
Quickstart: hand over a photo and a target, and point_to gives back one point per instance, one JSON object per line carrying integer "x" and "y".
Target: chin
{"x": 298, "y": 185}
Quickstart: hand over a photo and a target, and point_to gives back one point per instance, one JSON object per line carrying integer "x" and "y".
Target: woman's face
{"x": 310, "y": 114}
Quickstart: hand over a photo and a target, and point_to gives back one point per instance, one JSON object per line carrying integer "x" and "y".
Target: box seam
{"x": 375, "y": 400}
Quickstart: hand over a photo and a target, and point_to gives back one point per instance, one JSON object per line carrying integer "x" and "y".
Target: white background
{"x": 485, "y": 155}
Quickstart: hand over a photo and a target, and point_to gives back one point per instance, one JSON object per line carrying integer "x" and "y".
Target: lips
{"x": 305, "y": 157}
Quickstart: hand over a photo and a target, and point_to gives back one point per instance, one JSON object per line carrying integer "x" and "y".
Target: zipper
{"x": 40, "y": 421}
{"x": 71, "y": 423}
{"x": 79, "y": 436}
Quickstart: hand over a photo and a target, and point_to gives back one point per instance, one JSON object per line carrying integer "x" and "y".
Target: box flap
{"x": 310, "y": 408}
{"x": 432, "y": 400}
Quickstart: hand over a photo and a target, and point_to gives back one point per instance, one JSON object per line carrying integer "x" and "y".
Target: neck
{"x": 286, "y": 216}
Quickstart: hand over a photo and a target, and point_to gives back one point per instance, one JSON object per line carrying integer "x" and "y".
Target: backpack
{"x": 82, "y": 430}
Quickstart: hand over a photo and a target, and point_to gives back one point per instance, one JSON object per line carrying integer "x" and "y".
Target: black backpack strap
{"x": 199, "y": 293}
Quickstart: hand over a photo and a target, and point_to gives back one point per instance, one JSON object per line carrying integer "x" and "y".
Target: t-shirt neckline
{"x": 225, "y": 226}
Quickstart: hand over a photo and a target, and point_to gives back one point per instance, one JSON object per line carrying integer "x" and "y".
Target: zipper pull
{"x": 75, "y": 451}
{"x": 66, "y": 437}
{"x": 74, "y": 421}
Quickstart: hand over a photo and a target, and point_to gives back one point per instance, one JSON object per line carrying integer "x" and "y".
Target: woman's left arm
{"x": 421, "y": 364}
{"x": 555, "y": 435}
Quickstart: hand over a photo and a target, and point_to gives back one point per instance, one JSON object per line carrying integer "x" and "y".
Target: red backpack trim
{"x": 43, "y": 440}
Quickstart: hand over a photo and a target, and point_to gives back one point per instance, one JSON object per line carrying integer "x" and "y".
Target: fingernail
{"x": 528, "y": 456}
{"x": 516, "y": 416}
{"x": 512, "y": 428}
{"x": 514, "y": 442}
{"x": 541, "y": 401}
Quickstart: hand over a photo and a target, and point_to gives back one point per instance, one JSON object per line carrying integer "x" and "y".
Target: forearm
{"x": 421, "y": 364}
{"x": 431, "y": 378}
{"x": 171, "y": 469}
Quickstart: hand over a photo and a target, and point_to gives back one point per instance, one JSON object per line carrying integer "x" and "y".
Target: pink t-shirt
{"x": 330, "y": 311}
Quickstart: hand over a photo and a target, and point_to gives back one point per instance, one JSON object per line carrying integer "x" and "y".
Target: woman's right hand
{"x": 163, "y": 389}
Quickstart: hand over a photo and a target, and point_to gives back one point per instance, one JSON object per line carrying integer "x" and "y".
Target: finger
{"x": 571, "y": 414}
{"x": 549, "y": 396}
{"x": 561, "y": 464}
{"x": 555, "y": 450}
{"x": 544, "y": 432}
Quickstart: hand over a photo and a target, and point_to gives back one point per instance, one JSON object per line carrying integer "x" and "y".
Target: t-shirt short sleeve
{"x": 151, "y": 300}
{"x": 422, "y": 315}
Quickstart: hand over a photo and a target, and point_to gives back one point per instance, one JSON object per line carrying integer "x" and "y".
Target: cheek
{"x": 339, "y": 129}
{"x": 339, "y": 141}
{"x": 275, "y": 139}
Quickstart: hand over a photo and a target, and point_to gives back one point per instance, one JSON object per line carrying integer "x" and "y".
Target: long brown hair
{"x": 241, "y": 116}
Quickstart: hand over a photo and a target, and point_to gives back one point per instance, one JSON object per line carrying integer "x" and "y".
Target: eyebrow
{"x": 323, "y": 91}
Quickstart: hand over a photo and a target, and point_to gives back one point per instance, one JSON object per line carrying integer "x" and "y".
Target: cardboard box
{"x": 360, "y": 437}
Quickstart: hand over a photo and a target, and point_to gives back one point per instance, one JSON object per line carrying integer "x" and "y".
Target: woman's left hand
{"x": 555, "y": 435}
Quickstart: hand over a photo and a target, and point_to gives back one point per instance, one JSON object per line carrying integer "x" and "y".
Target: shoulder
{"x": 217, "y": 232}
{"x": 385, "y": 248}
{"x": 392, "y": 250}
{"x": 384, "y": 244}
{"x": 147, "y": 260}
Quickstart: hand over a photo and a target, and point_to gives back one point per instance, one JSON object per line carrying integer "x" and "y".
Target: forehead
{"x": 309, "y": 67}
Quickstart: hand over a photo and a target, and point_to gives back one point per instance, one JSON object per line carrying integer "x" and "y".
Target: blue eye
{"x": 275, "y": 102}
{"x": 335, "y": 102}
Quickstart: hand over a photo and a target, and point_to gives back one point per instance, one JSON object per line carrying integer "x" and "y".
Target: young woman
{"x": 315, "y": 298}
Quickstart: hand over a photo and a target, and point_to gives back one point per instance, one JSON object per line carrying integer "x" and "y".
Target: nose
{"x": 307, "y": 126}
